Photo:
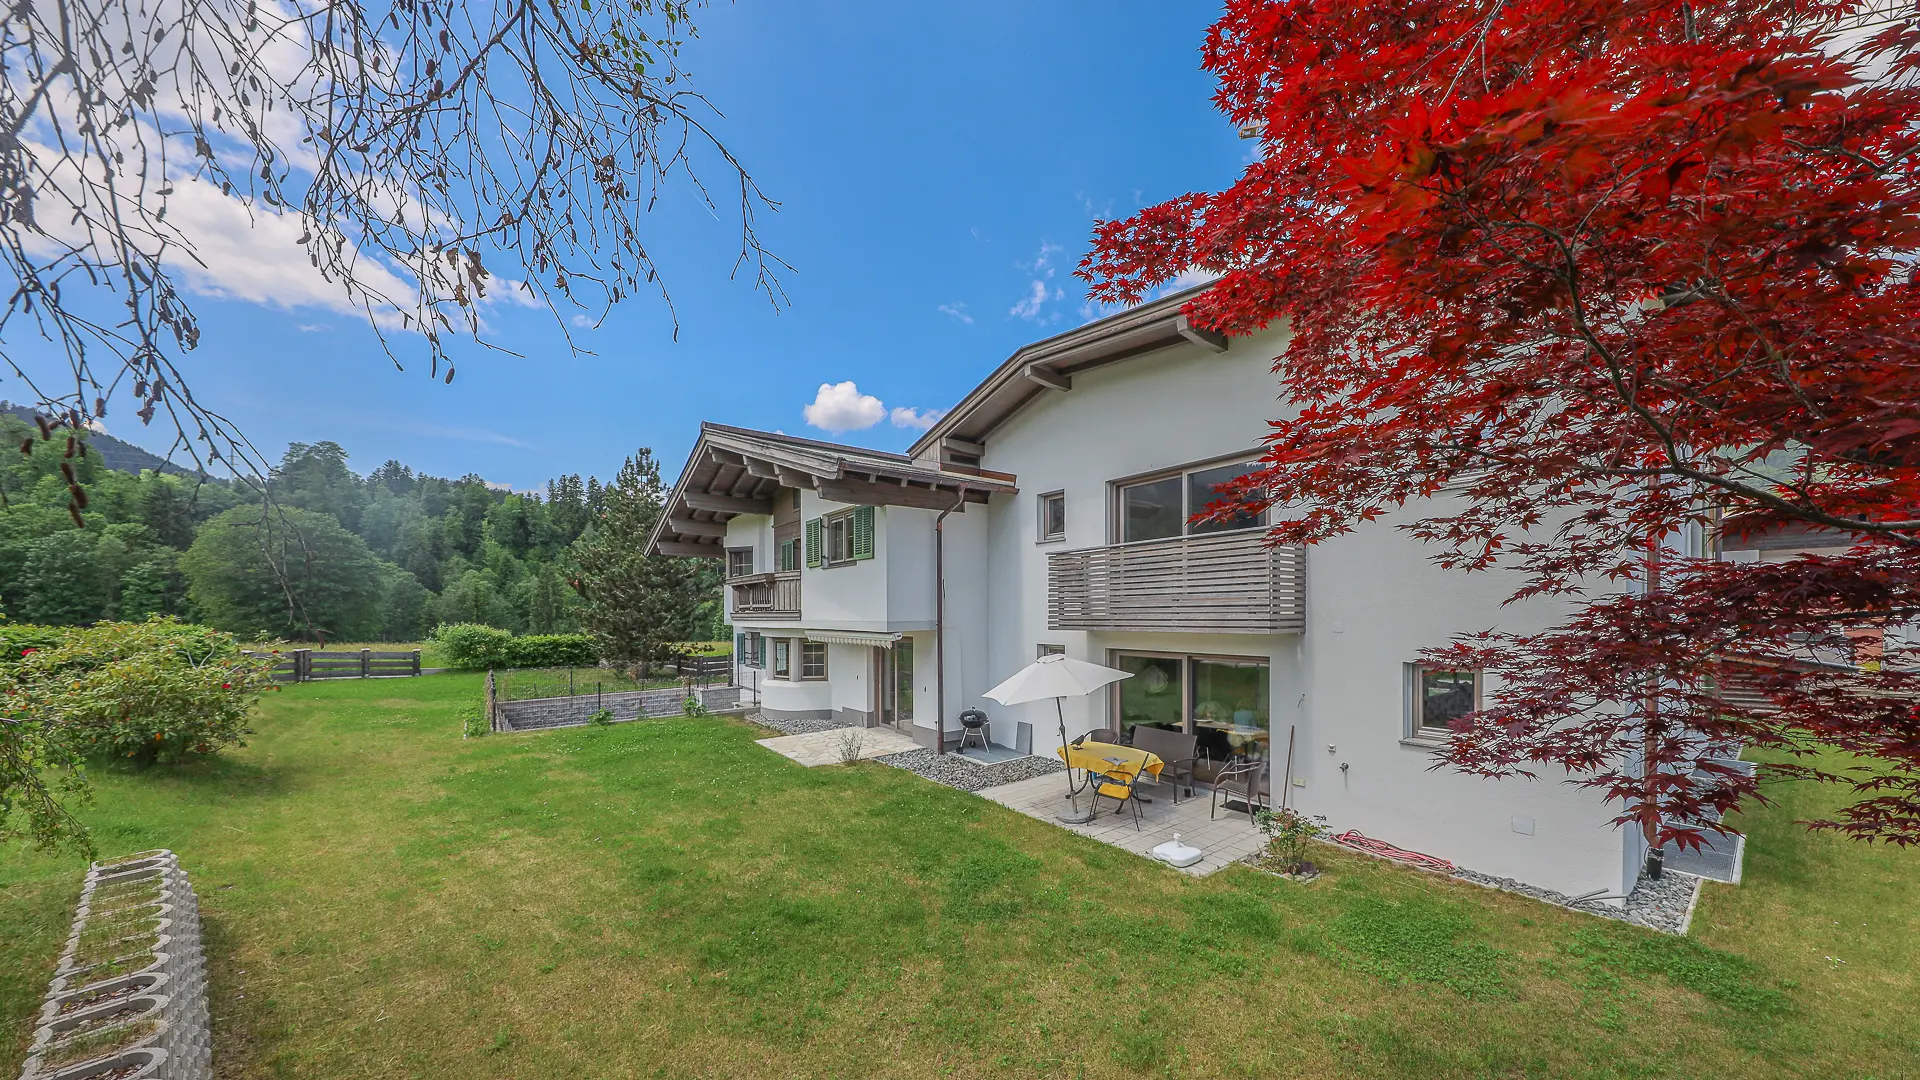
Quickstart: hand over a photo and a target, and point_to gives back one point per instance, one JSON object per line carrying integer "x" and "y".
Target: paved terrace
{"x": 1224, "y": 839}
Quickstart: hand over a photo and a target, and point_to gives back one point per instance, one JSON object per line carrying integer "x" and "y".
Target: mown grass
{"x": 665, "y": 898}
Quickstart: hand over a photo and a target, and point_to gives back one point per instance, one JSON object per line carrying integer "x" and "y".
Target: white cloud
{"x": 1186, "y": 279}
{"x": 1029, "y": 307}
{"x": 839, "y": 407}
{"x": 957, "y": 310}
{"x": 1039, "y": 292}
{"x": 904, "y": 417}
{"x": 313, "y": 328}
{"x": 582, "y": 321}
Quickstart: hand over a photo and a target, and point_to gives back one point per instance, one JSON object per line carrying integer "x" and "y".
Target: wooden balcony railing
{"x": 1226, "y": 583}
{"x": 768, "y": 596}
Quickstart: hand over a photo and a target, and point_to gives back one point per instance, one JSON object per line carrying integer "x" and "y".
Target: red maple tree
{"x": 1580, "y": 283}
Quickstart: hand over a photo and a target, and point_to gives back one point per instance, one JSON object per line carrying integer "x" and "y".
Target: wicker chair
{"x": 1243, "y": 780}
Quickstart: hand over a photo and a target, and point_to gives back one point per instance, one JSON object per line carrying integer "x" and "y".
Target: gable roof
{"x": 734, "y": 471}
{"x": 1048, "y": 365}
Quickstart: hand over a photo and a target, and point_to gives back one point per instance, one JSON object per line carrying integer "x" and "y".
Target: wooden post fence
{"x": 308, "y": 665}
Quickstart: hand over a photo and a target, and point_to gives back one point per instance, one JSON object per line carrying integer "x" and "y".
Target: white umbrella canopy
{"x": 1055, "y": 676}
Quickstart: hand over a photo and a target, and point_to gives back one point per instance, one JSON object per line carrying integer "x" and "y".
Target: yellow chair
{"x": 1120, "y": 787}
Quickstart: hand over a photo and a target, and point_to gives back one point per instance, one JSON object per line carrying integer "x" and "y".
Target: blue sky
{"x": 938, "y": 171}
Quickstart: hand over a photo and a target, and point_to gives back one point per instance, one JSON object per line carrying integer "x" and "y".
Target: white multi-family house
{"x": 1049, "y": 511}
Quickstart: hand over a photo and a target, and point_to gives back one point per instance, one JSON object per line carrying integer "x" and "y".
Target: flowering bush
{"x": 159, "y": 690}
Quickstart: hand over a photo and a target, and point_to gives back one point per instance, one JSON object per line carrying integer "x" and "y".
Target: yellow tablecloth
{"x": 1111, "y": 759}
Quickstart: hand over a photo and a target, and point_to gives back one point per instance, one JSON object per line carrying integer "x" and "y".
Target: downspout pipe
{"x": 940, "y": 624}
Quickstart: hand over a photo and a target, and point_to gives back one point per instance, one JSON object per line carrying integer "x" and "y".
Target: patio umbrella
{"x": 1056, "y": 676}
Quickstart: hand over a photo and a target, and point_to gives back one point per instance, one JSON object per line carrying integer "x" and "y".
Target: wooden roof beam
{"x": 1206, "y": 339}
{"x": 725, "y": 504}
{"x": 1047, "y": 377}
{"x": 689, "y": 527}
{"x": 794, "y": 478}
{"x": 698, "y": 551}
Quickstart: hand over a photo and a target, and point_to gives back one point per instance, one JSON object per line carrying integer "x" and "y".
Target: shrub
{"x": 16, "y": 638}
{"x": 601, "y": 717}
{"x": 159, "y": 690}
{"x": 1288, "y": 833}
{"x": 472, "y": 646}
{"x": 552, "y": 650}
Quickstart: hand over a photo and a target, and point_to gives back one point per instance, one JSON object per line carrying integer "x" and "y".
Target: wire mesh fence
{"x": 527, "y": 684}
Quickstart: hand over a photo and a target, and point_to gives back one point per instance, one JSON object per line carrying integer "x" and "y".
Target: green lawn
{"x": 665, "y": 898}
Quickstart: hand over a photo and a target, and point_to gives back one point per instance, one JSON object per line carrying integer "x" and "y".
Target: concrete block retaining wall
{"x": 537, "y": 713}
{"x": 131, "y": 988}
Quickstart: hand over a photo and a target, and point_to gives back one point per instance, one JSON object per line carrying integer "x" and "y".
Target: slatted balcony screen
{"x": 1232, "y": 583}
{"x": 768, "y": 595}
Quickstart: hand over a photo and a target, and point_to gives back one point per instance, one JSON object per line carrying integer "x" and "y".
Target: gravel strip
{"x": 958, "y": 772}
{"x": 1658, "y": 905}
{"x": 796, "y": 727}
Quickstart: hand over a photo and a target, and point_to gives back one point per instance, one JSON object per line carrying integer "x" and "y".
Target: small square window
{"x": 1441, "y": 696}
{"x": 1053, "y": 516}
{"x": 813, "y": 660}
{"x": 1051, "y": 650}
{"x": 739, "y": 562}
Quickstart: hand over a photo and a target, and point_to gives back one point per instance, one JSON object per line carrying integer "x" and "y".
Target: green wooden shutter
{"x": 863, "y": 532}
{"x": 813, "y": 542}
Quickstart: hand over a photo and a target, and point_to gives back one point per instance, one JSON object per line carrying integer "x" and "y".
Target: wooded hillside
{"x": 385, "y": 556}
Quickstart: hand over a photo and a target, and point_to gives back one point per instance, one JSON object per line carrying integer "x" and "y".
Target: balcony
{"x": 1226, "y": 583}
{"x": 767, "y": 596}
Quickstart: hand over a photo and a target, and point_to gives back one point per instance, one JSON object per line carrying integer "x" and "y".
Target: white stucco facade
{"x": 1338, "y": 708}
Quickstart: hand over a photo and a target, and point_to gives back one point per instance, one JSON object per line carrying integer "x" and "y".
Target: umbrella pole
{"x": 1064, "y": 750}
{"x": 1073, "y": 816}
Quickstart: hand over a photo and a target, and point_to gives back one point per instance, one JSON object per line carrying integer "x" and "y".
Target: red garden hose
{"x": 1353, "y": 839}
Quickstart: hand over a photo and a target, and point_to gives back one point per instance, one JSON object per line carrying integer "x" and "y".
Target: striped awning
{"x": 851, "y": 637}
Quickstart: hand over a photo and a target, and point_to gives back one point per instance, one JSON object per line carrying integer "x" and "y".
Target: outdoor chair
{"x": 1243, "y": 780}
{"x": 1176, "y": 749}
{"x": 1103, "y": 734}
{"x": 1121, "y": 789}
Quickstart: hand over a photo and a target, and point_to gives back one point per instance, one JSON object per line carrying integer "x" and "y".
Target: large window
{"x": 1160, "y": 508}
{"x": 782, "y": 658}
{"x": 1155, "y": 696}
{"x": 1223, "y": 700}
{"x": 813, "y": 660}
{"x": 1229, "y": 703}
{"x": 753, "y": 650}
{"x": 1439, "y": 696}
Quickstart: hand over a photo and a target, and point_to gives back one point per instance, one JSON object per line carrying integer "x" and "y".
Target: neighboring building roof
{"x": 1048, "y": 366}
{"x": 734, "y": 471}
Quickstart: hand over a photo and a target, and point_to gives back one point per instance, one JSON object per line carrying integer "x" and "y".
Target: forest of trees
{"x": 338, "y": 556}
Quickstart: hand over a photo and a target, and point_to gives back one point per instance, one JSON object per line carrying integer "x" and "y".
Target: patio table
{"x": 1110, "y": 759}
